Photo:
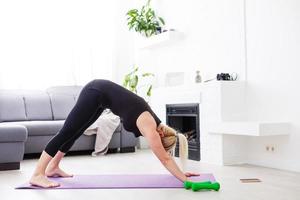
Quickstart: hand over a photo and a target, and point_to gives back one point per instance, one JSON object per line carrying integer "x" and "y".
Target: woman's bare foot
{"x": 56, "y": 172}
{"x": 42, "y": 181}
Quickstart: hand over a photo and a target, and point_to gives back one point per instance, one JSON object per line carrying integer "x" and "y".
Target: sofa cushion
{"x": 61, "y": 105}
{"x": 37, "y": 105}
{"x": 12, "y": 133}
{"x": 38, "y": 128}
{"x": 63, "y": 99}
{"x": 12, "y": 106}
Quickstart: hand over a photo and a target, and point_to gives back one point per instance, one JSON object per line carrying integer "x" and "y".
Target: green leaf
{"x": 147, "y": 74}
{"x": 148, "y": 2}
{"x": 134, "y": 82}
{"x": 161, "y": 20}
{"x": 133, "y": 11}
{"x": 126, "y": 80}
{"x": 135, "y": 69}
{"x": 143, "y": 10}
{"x": 153, "y": 13}
{"x": 149, "y": 92}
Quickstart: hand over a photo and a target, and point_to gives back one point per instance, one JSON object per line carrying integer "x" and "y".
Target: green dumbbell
{"x": 188, "y": 184}
{"x": 210, "y": 186}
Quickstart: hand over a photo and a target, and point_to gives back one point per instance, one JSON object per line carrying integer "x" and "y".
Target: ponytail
{"x": 183, "y": 150}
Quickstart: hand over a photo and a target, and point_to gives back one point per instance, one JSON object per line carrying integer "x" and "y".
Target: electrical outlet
{"x": 272, "y": 148}
{"x": 267, "y": 148}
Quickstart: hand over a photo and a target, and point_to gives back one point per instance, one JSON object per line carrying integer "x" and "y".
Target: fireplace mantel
{"x": 223, "y": 100}
{"x": 223, "y": 108}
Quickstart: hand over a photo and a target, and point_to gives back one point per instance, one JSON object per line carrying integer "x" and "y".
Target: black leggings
{"x": 86, "y": 111}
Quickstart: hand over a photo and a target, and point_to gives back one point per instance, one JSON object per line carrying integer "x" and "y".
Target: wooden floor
{"x": 275, "y": 184}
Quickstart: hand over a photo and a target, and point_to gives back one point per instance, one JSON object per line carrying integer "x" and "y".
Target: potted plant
{"x": 132, "y": 79}
{"x": 145, "y": 20}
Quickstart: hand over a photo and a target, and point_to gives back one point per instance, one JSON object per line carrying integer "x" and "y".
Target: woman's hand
{"x": 189, "y": 174}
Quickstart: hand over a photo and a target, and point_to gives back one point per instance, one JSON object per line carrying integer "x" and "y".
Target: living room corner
{"x": 167, "y": 91}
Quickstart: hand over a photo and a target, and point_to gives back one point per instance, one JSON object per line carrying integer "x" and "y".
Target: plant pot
{"x": 158, "y": 30}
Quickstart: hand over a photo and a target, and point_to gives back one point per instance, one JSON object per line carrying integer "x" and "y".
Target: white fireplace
{"x": 223, "y": 119}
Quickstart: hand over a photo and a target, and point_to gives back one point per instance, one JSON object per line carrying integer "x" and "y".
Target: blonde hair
{"x": 169, "y": 142}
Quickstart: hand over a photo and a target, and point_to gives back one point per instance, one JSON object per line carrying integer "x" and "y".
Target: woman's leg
{"x": 87, "y": 109}
{"x": 53, "y": 168}
{"x": 38, "y": 178}
{"x": 84, "y": 113}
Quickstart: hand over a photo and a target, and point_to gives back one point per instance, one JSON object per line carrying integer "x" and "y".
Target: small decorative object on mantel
{"x": 224, "y": 77}
{"x": 198, "y": 78}
{"x": 145, "y": 21}
{"x": 227, "y": 77}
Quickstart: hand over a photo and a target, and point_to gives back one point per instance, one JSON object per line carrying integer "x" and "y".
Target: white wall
{"x": 46, "y": 43}
{"x": 273, "y": 35}
{"x": 213, "y": 38}
{"x": 123, "y": 59}
{"x": 215, "y": 42}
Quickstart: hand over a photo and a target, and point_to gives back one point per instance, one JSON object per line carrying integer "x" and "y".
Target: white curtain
{"x": 59, "y": 42}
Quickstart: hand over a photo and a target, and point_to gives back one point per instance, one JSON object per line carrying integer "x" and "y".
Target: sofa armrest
{"x": 13, "y": 133}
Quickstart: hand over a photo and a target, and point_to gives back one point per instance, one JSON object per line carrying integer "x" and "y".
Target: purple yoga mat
{"x": 120, "y": 181}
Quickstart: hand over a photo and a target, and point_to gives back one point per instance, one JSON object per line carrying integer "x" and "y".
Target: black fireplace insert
{"x": 185, "y": 119}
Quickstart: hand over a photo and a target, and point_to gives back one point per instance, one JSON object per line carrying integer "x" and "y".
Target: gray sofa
{"x": 29, "y": 119}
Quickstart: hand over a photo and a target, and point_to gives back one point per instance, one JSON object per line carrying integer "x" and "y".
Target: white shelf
{"x": 250, "y": 128}
{"x": 159, "y": 39}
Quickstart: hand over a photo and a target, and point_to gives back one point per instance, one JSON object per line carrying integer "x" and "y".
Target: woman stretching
{"x": 137, "y": 117}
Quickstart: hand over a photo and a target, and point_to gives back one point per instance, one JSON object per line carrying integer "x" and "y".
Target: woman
{"x": 137, "y": 117}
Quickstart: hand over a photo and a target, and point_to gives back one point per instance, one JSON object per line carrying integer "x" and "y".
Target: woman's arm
{"x": 167, "y": 160}
{"x": 147, "y": 127}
